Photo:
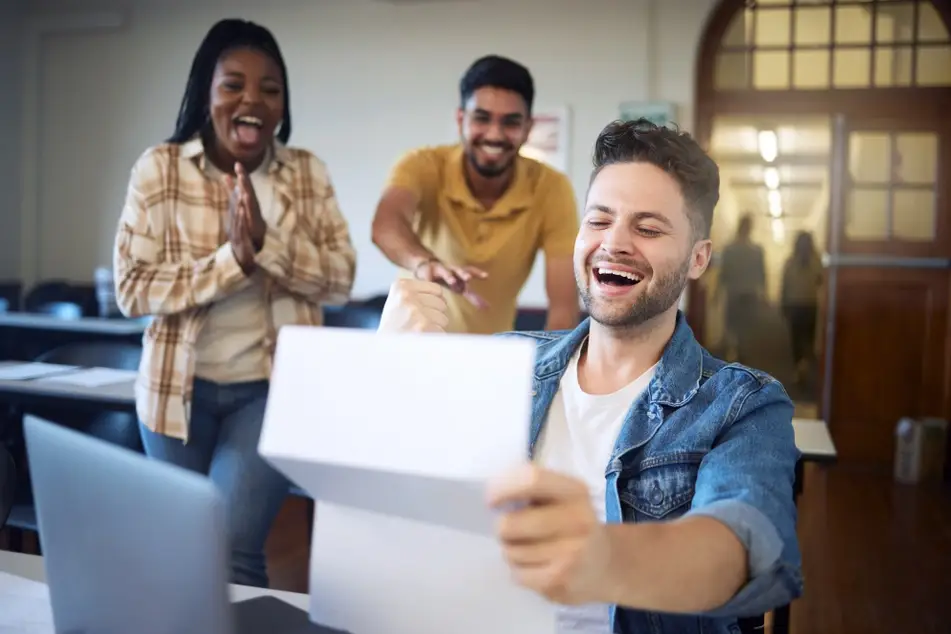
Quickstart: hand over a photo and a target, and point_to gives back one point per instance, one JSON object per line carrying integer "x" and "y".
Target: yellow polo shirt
{"x": 538, "y": 212}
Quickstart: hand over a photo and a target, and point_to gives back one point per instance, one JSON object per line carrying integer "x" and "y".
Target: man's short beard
{"x": 488, "y": 172}
{"x": 666, "y": 293}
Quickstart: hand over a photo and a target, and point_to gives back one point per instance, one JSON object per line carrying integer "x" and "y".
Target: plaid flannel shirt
{"x": 172, "y": 260}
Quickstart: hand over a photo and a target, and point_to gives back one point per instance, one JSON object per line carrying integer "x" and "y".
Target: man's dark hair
{"x": 673, "y": 151}
{"x": 497, "y": 72}
{"x": 225, "y": 36}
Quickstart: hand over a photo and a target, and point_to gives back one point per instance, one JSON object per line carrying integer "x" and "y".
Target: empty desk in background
{"x": 27, "y": 335}
{"x": 119, "y": 327}
{"x": 61, "y": 389}
{"x": 815, "y": 444}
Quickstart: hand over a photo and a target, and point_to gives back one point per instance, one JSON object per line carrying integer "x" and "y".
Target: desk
{"x": 31, "y": 567}
{"x": 815, "y": 444}
{"x": 26, "y": 336}
{"x": 814, "y": 441}
{"x": 114, "y": 396}
{"x": 85, "y": 325}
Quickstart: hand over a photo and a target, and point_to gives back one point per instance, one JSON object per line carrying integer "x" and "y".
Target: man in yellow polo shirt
{"x": 473, "y": 215}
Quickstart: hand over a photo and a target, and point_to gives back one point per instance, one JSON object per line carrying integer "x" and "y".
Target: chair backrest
{"x": 61, "y": 310}
{"x": 352, "y": 316}
{"x": 8, "y": 484}
{"x": 55, "y": 291}
{"x": 12, "y": 292}
{"x": 100, "y": 354}
{"x": 752, "y": 625}
{"x": 120, "y": 428}
{"x": 377, "y": 302}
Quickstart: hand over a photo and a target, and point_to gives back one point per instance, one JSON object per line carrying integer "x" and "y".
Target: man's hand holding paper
{"x": 550, "y": 535}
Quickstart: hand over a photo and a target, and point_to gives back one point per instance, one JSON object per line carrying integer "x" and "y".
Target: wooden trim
{"x": 897, "y": 103}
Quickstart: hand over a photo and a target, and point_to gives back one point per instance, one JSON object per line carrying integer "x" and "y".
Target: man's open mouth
{"x": 248, "y": 129}
{"x": 614, "y": 277}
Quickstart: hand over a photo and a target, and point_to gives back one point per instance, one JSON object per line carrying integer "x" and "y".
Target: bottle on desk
{"x": 106, "y": 292}
{"x": 920, "y": 446}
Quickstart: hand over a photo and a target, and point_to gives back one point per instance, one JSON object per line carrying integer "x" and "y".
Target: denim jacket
{"x": 706, "y": 438}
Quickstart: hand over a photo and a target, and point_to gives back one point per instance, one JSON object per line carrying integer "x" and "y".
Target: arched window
{"x": 823, "y": 45}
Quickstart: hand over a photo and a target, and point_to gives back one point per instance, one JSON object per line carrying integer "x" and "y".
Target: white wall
{"x": 368, "y": 81}
{"x": 10, "y": 96}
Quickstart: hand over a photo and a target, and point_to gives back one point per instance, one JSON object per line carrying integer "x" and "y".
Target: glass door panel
{"x": 763, "y": 295}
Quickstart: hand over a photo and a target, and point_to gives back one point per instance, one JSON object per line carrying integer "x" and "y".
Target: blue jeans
{"x": 225, "y": 426}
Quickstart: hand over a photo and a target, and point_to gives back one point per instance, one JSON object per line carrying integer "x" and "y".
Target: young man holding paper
{"x": 659, "y": 496}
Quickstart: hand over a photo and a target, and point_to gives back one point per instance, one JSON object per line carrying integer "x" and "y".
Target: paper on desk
{"x": 404, "y": 425}
{"x": 35, "y": 370}
{"x": 24, "y": 606}
{"x": 94, "y": 377}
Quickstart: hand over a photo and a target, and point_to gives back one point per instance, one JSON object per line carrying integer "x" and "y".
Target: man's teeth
{"x": 250, "y": 121}
{"x": 491, "y": 150}
{"x": 631, "y": 276}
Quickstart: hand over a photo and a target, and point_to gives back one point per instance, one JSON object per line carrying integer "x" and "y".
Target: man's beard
{"x": 666, "y": 292}
{"x": 488, "y": 171}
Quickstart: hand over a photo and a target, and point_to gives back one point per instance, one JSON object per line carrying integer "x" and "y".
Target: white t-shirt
{"x": 578, "y": 440}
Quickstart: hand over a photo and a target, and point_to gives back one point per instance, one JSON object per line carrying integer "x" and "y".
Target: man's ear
{"x": 700, "y": 258}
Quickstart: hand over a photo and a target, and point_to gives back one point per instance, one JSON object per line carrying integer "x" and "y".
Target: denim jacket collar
{"x": 675, "y": 382}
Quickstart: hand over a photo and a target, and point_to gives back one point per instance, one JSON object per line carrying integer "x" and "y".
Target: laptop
{"x": 136, "y": 545}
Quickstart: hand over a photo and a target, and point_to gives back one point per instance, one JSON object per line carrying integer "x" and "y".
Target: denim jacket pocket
{"x": 661, "y": 490}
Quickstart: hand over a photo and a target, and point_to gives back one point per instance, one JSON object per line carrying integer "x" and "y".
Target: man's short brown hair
{"x": 673, "y": 151}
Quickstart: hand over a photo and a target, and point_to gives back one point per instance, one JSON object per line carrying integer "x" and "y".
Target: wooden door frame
{"x": 842, "y": 127}
{"x": 920, "y": 103}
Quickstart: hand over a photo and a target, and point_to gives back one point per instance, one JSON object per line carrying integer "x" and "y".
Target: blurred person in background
{"x": 742, "y": 282}
{"x": 802, "y": 280}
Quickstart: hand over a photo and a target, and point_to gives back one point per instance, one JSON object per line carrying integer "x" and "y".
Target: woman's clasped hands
{"x": 246, "y": 227}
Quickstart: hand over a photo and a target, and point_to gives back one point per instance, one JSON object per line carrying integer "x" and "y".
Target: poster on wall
{"x": 548, "y": 141}
{"x": 657, "y": 112}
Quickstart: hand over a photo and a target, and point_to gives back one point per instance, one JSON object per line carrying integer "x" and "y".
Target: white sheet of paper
{"x": 395, "y": 436}
{"x": 374, "y": 574}
{"x": 407, "y": 425}
{"x": 33, "y": 370}
{"x": 94, "y": 377}
{"x": 24, "y": 606}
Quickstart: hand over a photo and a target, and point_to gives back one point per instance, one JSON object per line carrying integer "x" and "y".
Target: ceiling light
{"x": 771, "y": 177}
{"x": 768, "y": 145}
{"x": 775, "y": 203}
